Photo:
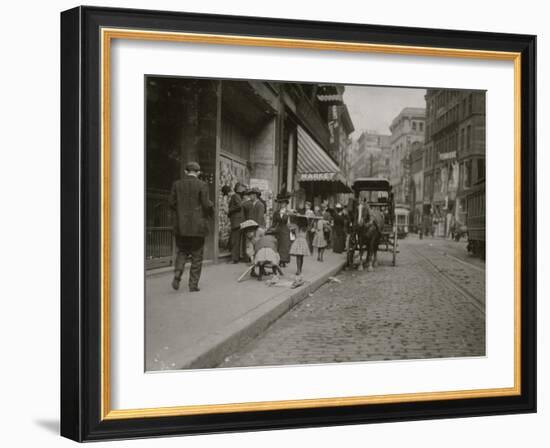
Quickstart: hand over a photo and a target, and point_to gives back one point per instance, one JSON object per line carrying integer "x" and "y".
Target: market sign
{"x": 304, "y": 177}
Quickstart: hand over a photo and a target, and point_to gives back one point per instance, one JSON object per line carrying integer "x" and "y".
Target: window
{"x": 470, "y": 103}
{"x": 421, "y": 126}
{"x": 468, "y": 136}
{"x": 467, "y": 173}
{"x": 414, "y": 125}
{"x": 480, "y": 169}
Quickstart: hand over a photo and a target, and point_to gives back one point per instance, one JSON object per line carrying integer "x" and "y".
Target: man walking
{"x": 191, "y": 207}
{"x": 236, "y": 217}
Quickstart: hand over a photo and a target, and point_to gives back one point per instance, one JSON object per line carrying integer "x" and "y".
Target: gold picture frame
{"x": 108, "y": 32}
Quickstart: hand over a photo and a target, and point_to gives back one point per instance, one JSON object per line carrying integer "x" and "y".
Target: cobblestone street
{"x": 430, "y": 305}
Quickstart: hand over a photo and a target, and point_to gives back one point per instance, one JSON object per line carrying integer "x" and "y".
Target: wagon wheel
{"x": 351, "y": 253}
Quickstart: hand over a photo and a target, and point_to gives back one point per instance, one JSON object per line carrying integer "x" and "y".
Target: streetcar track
{"x": 472, "y": 299}
{"x": 466, "y": 263}
{"x": 460, "y": 260}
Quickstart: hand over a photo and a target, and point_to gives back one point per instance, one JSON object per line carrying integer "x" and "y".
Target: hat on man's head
{"x": 193, "y": 166}
{"x": 255, "y": 191}
{"x": 338, "y": 205}
{"x": 283, "y": 197}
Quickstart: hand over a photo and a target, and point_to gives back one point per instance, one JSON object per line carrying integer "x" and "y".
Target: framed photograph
{"x": 277, "y": 224}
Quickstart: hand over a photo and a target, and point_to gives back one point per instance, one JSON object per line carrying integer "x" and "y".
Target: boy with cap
{"x": 254, "y": 208}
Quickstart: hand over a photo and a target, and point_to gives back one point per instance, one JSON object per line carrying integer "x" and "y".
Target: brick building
{"x": 454, "y": 152}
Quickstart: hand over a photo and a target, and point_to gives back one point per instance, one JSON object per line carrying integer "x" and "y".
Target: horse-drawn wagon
{"x": 372, "y": 221}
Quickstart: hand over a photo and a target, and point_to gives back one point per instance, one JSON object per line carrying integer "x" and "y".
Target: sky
{"x": 374, "y": 108}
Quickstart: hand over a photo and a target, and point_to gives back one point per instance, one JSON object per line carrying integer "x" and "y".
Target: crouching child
{"x": 266, "y": 255}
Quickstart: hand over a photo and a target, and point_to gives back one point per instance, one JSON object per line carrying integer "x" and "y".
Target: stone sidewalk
{"x": 199, "y": 330}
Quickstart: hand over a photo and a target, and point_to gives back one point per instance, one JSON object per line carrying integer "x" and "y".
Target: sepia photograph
{"x": 292, "y": 223}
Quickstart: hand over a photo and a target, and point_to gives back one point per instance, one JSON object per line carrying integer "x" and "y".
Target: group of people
{"x": 244, "y": 205}
{"x": 293, "y": 233}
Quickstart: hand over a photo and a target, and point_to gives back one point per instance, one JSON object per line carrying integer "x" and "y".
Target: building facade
{"x": 407, "y": 128}
{"x": 371, "y": 156}
{"x": 454, "y": 152}
{"x": 273, "y": 136}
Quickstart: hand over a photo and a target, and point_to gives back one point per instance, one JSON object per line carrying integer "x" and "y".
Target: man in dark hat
{"x": 236, "y": 217}
{"x": 254, "y": 208}
{"x": 191, "y": 206}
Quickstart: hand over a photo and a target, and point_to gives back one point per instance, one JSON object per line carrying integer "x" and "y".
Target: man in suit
{"x": 236, "y": 217}
{"x": 255, "y": 208}
{"x": 191, "y": 206}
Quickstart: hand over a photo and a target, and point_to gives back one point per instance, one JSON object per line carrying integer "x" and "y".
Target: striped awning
{"x": 314, "y": 164}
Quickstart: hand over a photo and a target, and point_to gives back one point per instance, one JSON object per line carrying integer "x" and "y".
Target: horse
{"x": 366, "y": 233}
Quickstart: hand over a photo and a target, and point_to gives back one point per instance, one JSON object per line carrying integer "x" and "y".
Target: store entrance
{"x": 231, "y": 170}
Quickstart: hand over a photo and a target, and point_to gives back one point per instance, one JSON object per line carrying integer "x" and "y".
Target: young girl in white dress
{"x": 300, "y": 248}
{"x": 319, "y": 240}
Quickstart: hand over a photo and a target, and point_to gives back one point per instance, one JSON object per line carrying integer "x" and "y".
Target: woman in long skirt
{"x": 338, "y": 231}
{"x": 282, "y": 230}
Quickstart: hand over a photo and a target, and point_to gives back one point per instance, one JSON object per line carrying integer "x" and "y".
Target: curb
{"x": 212, "y": 350}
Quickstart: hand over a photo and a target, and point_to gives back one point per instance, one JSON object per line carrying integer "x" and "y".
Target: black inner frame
{"x": 81, "y": 223}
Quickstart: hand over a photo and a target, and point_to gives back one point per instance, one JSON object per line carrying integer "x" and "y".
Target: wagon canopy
{"x": 371, "y": 184}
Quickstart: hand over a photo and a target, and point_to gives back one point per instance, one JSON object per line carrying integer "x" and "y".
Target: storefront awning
{"x": 315, "y": 165}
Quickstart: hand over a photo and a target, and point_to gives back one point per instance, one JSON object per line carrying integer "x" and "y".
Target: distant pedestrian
{"x": 338, "y": 230}
{"x": 319, "y": 240}
{"x": 282, "y": 230}
{"x": 309, "y": 231}
{"x": 307, "y": 210}
{"x": 236, "y": 218}
{"x": 327, "y": 216}
{"x": 191, "y": 207}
